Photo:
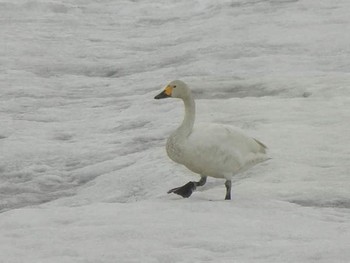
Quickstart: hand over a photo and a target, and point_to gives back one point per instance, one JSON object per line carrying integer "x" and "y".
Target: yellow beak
{"x": 166, "y": 93}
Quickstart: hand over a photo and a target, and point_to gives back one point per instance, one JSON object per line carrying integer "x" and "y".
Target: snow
{"x": 83, "y": 168}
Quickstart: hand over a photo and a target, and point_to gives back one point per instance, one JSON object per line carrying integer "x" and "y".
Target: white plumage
{"x": 213, "y": 150}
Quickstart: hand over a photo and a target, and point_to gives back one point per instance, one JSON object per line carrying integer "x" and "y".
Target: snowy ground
{"x": 83, "y": 169}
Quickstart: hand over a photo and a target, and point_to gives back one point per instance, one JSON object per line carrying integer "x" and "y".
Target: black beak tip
{"x": 161, "y": 95}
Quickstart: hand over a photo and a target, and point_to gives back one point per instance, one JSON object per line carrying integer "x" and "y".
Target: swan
{"x": 213, "y": 150}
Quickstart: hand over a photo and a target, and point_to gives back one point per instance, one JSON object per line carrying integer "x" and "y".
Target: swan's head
{"x": 175, "y": 89}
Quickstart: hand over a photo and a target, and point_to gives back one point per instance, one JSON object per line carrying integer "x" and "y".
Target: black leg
{"x": 228, "y": 190}
{"x": 187, "y": 189}
{"x": 202, "y": 181}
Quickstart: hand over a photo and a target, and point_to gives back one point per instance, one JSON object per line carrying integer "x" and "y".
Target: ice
{"x": 83, "y": 169}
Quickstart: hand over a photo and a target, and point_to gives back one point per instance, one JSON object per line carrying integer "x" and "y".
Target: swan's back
{"x": 220, "y": 151}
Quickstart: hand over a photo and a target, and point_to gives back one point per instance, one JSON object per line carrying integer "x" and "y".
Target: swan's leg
{"x": 202, "y": 181}
{"x": 228, "y": 190}
{"x": 187, "y": 189}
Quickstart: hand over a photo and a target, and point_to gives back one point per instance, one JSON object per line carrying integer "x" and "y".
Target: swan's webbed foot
{"x": 185, "y": 191}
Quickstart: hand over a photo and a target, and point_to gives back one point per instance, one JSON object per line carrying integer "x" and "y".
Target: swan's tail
{"x": 263, "y": 147}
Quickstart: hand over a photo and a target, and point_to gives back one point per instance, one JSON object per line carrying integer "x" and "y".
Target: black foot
{"x": 185, "y": 190}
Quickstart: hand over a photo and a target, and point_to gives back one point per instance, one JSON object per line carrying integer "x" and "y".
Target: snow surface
{"x": 83, "y": 168}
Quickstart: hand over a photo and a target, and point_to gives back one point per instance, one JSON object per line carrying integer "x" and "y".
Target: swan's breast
{"x": 174, "y": 149}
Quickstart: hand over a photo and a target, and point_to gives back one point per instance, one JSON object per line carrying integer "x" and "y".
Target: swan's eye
{"x": 174, "y": 86}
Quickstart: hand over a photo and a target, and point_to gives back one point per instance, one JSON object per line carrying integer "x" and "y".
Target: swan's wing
{"x": 209, "y": 136}
{"x": 220, "y": 147}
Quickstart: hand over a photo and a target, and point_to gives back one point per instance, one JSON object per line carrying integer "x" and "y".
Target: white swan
{"x": 208, "y": 149}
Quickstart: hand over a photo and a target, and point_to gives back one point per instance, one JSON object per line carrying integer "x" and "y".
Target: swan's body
{"x": 213, "y": 150}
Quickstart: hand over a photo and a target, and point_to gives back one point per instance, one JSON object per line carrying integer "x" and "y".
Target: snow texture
{"x": 83, "y": 168}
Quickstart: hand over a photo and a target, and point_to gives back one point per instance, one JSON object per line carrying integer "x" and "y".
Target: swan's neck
{"x": 186, "y": 127}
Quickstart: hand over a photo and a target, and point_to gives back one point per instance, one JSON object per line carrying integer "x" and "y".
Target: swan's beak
{"x": 166, "y": 93}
